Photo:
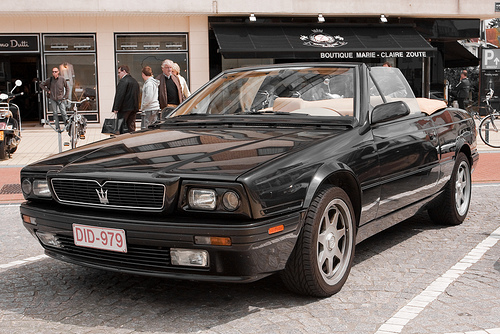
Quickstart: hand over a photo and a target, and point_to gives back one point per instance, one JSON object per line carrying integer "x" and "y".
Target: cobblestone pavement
{"x": 407, "y": 263}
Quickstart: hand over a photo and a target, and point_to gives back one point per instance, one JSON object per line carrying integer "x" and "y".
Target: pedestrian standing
{"x": 57, "y": 90}
{"x": 463, "y": 89}
{"x": 170, "y": 90}
{"x": 126, "y": 103}
{"x": 149, "y": 104}
{"x": 184, "y": 87}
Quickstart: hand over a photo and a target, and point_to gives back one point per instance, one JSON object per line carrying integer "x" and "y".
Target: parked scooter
{"x": 10, "y": 123}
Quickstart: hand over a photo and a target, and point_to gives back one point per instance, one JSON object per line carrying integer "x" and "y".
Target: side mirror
{"x": 18, "y": 83}
{"x": 389, "y": 111}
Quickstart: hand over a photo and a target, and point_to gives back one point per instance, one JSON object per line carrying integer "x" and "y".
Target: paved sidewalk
{"x": 36, "y": 143}
{"x": 39, "y": 142}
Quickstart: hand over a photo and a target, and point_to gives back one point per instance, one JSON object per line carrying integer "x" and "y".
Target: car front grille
{"x": 138, "y": 257}
{"x": 111, "y": 194}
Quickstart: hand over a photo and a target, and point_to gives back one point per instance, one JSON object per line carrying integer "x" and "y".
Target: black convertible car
{"x": 263, "y": 170}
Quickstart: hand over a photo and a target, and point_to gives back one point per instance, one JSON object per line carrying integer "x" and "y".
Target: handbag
{"x": 109, "y": 126}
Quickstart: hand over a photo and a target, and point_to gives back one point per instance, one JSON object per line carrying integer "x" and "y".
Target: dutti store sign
{"x": 19, "y": 43}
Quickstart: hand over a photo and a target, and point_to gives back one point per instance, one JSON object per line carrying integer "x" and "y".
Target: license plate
{"x": 100, "y": 238}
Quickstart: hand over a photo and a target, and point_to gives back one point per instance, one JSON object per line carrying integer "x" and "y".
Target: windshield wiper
{"x": 263, "y": 112}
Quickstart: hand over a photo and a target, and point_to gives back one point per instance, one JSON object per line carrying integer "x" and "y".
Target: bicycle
{"x": 473, "y": 110}
{"x": 488, "y": 129}
{"x": 77, "y": 124}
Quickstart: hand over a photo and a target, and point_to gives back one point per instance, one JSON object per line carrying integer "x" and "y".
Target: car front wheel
{"x": 322, "y": 258}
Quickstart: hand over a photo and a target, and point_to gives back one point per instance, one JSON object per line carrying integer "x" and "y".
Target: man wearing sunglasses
{"x": 57, "y": 92}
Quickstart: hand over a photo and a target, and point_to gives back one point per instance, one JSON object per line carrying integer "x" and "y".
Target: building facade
{"x": 88, "y": 40}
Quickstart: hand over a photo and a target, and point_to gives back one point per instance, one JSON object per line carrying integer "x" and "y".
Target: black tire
{"x": 489, "y": 130}
{"x": 455, "y": 200}
{"x": 73, "y": 134}
{"x": 322, "y": 258}
{"x": 4, "y": 151}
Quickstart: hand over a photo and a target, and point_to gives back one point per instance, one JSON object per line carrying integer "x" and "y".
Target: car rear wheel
{"x": 322, "y": 258}
{"x": 455, "y": 202}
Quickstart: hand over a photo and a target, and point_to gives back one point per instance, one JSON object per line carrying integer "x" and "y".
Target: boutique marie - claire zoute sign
{"x": 319, "y": 39}
{"x": 372, "y": 54}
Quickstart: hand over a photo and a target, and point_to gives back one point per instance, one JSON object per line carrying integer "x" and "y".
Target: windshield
{"x": 387, "y": 84}
{"x": 309, "y": 91}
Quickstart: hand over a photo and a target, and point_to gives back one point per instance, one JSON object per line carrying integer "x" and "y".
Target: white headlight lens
{"x": 231, "y": 201}
{"x": 202, "y": 199}
{"x": 26, "y": 186}
{"x": 41, "y": 188}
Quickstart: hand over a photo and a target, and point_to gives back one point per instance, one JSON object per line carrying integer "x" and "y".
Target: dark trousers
{"x": 125, "y": 121}
{"x": 461, "y": 103}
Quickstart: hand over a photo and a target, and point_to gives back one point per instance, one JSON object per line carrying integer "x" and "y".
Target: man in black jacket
{"x": 463, "y": 89}
{"x": 126, "y": 102}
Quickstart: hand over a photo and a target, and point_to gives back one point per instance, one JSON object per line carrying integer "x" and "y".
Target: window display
{"x": 75, "y": 58}
{"x": 139, "y": 50}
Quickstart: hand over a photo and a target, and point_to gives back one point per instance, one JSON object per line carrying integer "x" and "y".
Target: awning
{"x": 319, "y": 41}
{"x": 456, "y": 55}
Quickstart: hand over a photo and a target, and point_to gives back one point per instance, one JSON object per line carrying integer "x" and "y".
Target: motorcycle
{"x": 10, "y": 123}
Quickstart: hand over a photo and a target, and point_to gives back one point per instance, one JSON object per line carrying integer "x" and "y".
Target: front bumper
{"x": 253, "y": 254}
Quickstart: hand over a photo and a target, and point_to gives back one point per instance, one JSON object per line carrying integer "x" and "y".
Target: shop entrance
{"x": 27, "y": 69}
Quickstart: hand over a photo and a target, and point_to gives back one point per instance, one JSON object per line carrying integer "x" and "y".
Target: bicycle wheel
{"x": 489, "y": 130}
{"x": 73, "y": 134}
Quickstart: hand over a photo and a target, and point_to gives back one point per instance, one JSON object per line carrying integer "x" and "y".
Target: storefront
{"x": 20, "y": 59}
{"x": 31, "y": 59}
{"x": 208, "y": 42}
{"x": 420, "y": 48}
{"x": 88, "y": 50}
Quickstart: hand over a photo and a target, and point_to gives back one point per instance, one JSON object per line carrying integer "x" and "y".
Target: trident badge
{"x": 103, "y": 196}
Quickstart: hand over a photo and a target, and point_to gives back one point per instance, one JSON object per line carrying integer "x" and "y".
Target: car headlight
{"x": 41, "y": 188}
{"x": 26, "y": 186}
{"x": 35, "y": 188}
{"x": 231, "y": 200}
{"x": 202, "y": 199}
{"x": 216, "y": 197}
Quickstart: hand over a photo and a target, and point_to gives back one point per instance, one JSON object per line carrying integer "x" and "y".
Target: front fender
{"x": 336, "y": 174}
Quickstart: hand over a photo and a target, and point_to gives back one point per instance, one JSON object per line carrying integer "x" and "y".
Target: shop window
{"x": 139, "y": 50}
{"x": 75, "y": 57}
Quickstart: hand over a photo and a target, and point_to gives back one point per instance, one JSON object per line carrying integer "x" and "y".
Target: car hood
{"x": 221, "y": 153}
